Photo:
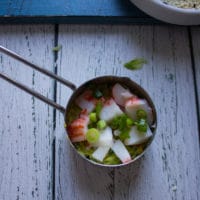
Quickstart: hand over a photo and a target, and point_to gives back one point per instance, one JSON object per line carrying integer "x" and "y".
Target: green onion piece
{"x": 57, "y": 48}
{"x": 142, "y": 126}
{"x": 129, "y": 122}
{"x": 93, "y": 117}
{"x": 98, "y": 108}
{"x": 92, "y": 135}
{"x": 118, "y": 122}
{"x": 97, "y": 94}
{"x": 101, "y": 124}
{"x": 122, "y": 123}
{"x": 135, "y": 64}
{"x": 141, "y": 114}
{"x": 114, "y": 124}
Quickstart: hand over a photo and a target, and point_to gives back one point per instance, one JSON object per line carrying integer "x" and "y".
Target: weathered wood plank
{"x": 26, "y": 123}
{"x": 172, "y": 162}
{"x": 196, "y": 53}
{"x": 78, "y": 61}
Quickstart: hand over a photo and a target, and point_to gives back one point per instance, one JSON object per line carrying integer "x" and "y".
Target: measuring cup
{"x": 131, "y": 85}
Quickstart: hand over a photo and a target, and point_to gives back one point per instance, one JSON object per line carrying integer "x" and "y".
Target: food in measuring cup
{"x": 109, "y": 124}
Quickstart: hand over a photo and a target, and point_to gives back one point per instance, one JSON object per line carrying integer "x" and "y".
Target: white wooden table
{"x": 36, "y": 161}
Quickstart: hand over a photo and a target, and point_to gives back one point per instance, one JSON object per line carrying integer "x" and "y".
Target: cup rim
{"x": 120, "y": 79}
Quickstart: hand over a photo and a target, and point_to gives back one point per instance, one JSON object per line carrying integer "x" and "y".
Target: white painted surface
{"x": 26, "y": 130}
{"x": 172, "y": 162}
{"x": 171, "y": 167}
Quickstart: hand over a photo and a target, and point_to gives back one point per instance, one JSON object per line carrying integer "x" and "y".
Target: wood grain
{"x": 172, "y": 162}
{"x": 171, "y": 167}
{"x": 26, "y": 129}
{"x": 196, "y": 51}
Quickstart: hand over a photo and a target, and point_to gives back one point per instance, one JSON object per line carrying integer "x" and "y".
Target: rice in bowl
{"x": 184, "y": 3}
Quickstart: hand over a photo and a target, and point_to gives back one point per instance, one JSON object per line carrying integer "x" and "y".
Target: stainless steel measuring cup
{"x": 133, "y": 87}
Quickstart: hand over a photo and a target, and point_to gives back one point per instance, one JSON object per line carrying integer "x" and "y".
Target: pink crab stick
{"x": 121, "y": 152}
{"x": 78, "y": 128}
{"x": 120, "y": 94}
{"x": 133, "y": 104}
{"x": 110, "y": 110}
{"x": 86, "y": 101}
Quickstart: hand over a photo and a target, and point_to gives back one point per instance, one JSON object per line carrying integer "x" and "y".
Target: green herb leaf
{"x": 114, "y": 124}
{"x": 111, "y": 159}
{"x": 142, "y": 126}
{"x": 120, "y": 123}
{"x": 124, "y": 134}
{"x": 141, "y": 114}
{"x": 83, "y": 149}
{"x": 57, "y": 48}
{"x": 97, "y": 94}
{"x": 135, "y": 64}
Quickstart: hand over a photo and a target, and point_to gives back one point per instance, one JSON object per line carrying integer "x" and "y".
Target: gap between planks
{"x": 195, "y": 76}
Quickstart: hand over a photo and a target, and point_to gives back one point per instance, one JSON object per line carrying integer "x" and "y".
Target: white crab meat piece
{"x": 121, "y": 152}
{"x": 86, "y": 101}
{"x": 100, "y": 153}
{"x": 134, "y": 104}
{"x": 106, "y": 137}
{"x": 137, "y": 137}
{"x": 120, "y": 94}
{"x": 110, "y": 110}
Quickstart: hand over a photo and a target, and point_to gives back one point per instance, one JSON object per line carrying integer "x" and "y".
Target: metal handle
{"x": 44, "y": 71}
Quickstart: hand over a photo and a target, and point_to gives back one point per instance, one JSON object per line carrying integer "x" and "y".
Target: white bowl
{"x": 168, "y": 13}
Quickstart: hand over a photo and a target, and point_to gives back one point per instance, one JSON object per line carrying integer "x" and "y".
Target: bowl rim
{"x": 176, "y": 9}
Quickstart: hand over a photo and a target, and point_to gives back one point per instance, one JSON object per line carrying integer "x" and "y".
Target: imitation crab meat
{"x": 110, "y": 110}
{"x": 78, "y": 128}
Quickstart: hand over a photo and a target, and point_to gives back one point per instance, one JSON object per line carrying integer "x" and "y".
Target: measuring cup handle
{"x": 34, "y": 93}
{"x": 36, "y": 67}
{"x": 44, "y": 71}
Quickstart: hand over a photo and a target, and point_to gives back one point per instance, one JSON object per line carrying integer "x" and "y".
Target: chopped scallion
{"x": 92, "y": 135}
{"x": 93, "y": 117}
{"x": 101, "y": 124}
